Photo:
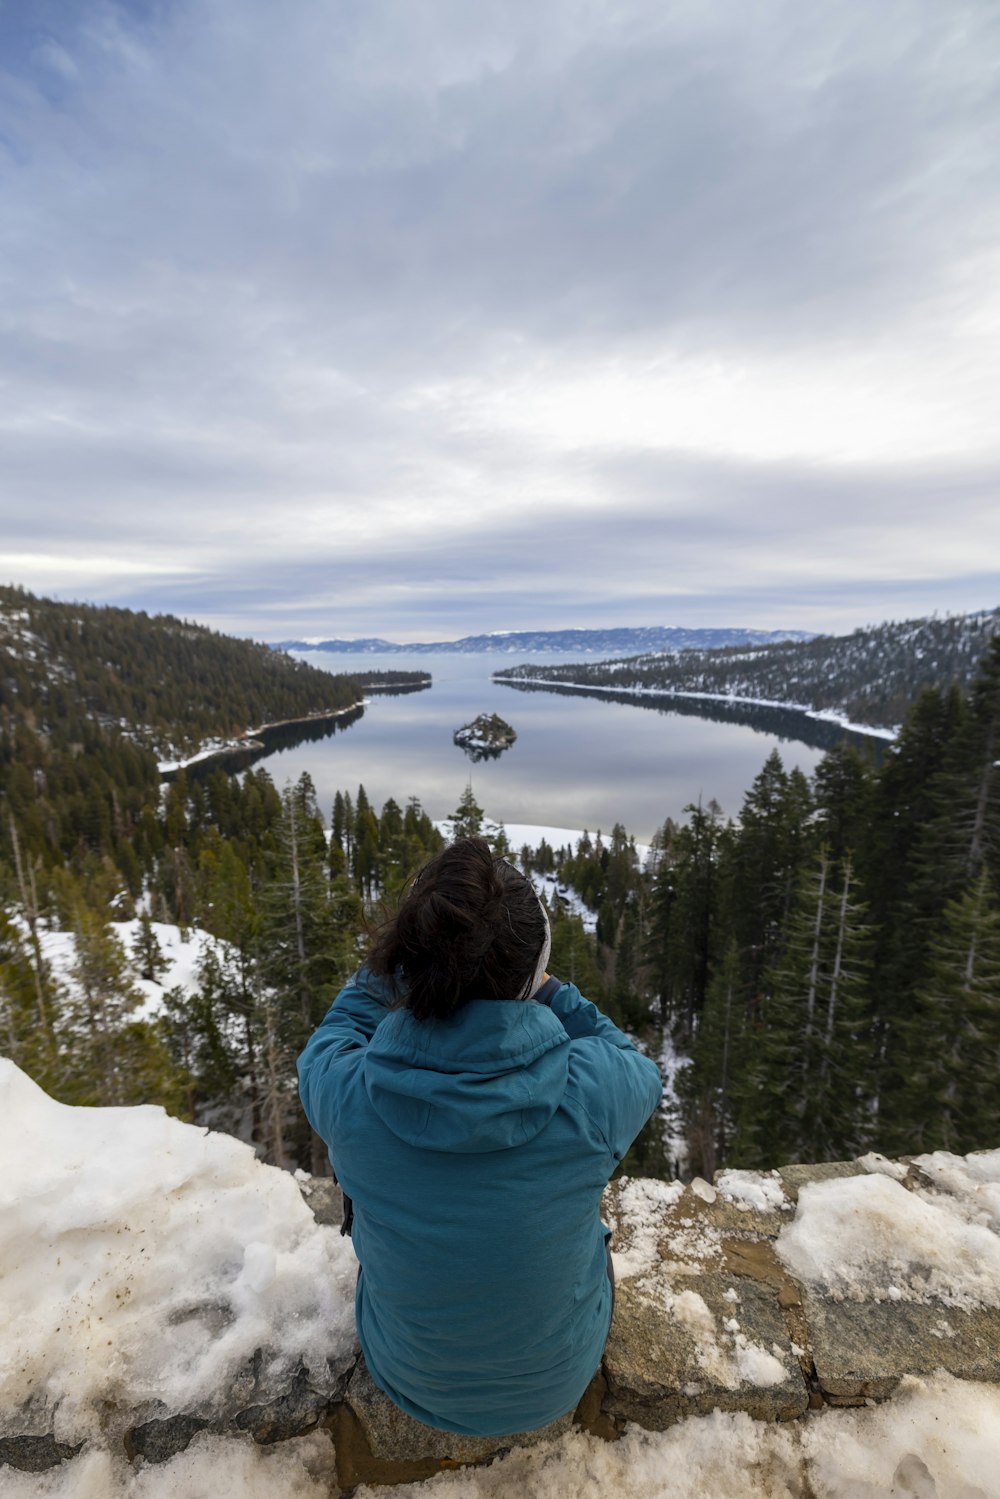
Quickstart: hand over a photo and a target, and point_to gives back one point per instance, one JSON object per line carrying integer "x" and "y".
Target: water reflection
{"x": 270, "y": 740}
{"x": 789, "y": 725}
{"x": 586, "y": 761}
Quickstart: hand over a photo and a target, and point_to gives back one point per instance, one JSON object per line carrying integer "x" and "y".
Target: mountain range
{"x": 620, "y": 641}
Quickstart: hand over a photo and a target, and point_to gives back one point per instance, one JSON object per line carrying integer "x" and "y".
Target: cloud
{"x": 378, "y": 317}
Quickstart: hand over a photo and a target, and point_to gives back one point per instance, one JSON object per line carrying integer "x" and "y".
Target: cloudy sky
{"x": 425, "y": 317}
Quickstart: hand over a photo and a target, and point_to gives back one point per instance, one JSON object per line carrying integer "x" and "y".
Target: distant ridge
{"x": 868, "y": 679}
{"x": 587, "y": 642}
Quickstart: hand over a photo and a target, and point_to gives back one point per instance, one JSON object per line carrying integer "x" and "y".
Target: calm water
{"x": 579, "y": 761}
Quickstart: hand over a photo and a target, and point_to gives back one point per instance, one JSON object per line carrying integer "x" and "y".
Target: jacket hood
{"x": 488, "y": 1078}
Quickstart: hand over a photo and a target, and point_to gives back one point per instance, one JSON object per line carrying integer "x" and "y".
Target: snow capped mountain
{"x": 665, "y": 638}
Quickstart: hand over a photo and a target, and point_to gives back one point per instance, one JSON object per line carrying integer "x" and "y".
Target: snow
{"x": 868, "y": 1238}
{"x": 535, "y": 833}
{"x": 875, "y": 1162}
{"x": 211, "y": 1467}
{"x": 210, "y": 749}
{"x": 675, "y": 1141}
{"x": 555, "y": 892}
{"x": 147, "y": 1259}
{"x": 530, "y": 833}
{"x": 973, "y": 1180}
{"x": 183, "y": 951}
{"x": 753, "y": 1189}
{"x": 938, "y": 1439}
{"x": 642, "y": 1201}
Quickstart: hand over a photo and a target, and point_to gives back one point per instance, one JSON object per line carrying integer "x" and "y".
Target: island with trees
{"x": 486, "y": 737}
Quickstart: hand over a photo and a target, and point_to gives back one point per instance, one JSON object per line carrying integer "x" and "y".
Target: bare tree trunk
{"x": 29, "y": 902}
{"x": 839, "y": 954}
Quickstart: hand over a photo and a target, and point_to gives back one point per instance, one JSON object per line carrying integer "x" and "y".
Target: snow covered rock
{"x": 699, "y": 1323}
{"x": 157, "y": 1280}
{"x": 165, "y": 1297}
{"x": 899, "y": 1269}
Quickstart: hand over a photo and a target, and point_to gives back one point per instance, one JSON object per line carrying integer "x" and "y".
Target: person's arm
{"x": 579, "y": 1017}
{"x": 341, "y": 1039}
{"x": 624, "y": 1086}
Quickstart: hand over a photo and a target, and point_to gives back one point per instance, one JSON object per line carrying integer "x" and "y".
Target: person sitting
{"x": 474, "y": 1108}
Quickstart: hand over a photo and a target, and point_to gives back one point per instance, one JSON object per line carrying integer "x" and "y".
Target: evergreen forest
{"x": 826, "y": 962}
{"x": 871, "y": 676}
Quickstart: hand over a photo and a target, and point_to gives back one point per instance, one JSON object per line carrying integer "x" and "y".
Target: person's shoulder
{"x": 364, "y": 984}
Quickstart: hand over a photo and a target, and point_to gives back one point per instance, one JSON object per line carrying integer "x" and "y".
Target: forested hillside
{"x": 168, "y": 683}
{"x": 829, "y": 958}
{"x": 90, "y": 698}
{"x": 871, "y": 676}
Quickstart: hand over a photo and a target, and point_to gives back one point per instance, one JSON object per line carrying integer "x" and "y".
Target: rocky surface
{"x": 707, "y": 1316}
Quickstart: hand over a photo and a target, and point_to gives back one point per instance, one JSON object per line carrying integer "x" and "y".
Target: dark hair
{"x": 469, "y": 927}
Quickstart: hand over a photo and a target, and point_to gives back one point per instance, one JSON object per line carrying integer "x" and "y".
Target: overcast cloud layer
{"x": 425, "y": 317}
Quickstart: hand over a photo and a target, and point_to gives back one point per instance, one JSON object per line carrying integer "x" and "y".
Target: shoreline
{"x": 820, "y": 715}
{"x": 249, "y": 741}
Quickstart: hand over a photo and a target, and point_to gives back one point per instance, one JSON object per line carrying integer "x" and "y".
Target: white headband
{"x": 538, "y": 977}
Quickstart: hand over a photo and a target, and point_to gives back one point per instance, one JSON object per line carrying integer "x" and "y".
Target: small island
{"x": 486, "y": 737}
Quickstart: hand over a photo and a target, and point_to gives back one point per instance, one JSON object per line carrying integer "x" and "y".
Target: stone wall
{"x": 707, "y": 1316}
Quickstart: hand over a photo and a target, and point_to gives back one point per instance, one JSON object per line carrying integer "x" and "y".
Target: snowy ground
{"x": 183, "y": 952}
{"x": 939, "y": 1439}
{"x": 674, "y": 1138}
{"x": 535, "y": 833}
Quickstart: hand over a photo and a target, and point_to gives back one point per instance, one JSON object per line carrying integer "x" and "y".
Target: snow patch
{"x": 858, "y": 1236}
{"x": 642, "y": 1202}
{"x": 147, "y": 1259}
{"x": 754, "y": 1189}
{"x": 937, "y": 1437}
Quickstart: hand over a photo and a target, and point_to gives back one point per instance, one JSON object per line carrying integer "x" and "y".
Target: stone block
{"x": 35, "y": 1454}
{"x": 324, "y": 1200}
{"x": 734, "y": 1218}
{"x": 376, "y": 1442}
{"x": 687, "y": 1345}
{"x": 798, "y": 1176}
{"x": 862, "y": 1349}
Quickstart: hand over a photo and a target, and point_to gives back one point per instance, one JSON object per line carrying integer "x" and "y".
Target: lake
{"x": 579, "y": 761}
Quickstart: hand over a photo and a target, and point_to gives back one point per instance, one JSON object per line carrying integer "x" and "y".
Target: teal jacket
{"x": 475, "y": 1150}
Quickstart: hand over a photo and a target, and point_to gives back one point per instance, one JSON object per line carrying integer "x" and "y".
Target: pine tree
{"x": 467, "y": 818}
{"x": 952, "y": 1038}
{"x": 705, "y": 1086}
{"x": 147, "y": 954}
{"x": 690, "y": 943}
{"x": 801, "y": 1096}
{"x": 112, "y": 1057}
{"x": 31, "y": 1005}
{"x": 765, "y": 860}
{"x": 303, "y": 955}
